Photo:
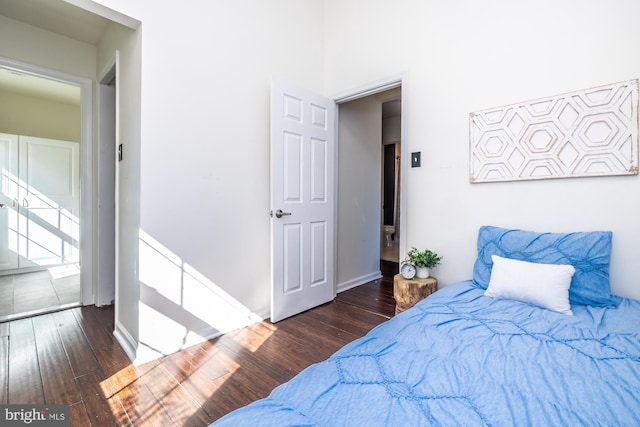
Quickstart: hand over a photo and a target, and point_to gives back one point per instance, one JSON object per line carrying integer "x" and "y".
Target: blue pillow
{"x": 587, "y": 252}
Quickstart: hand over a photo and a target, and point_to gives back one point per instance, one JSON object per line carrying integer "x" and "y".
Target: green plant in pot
{"x": 423, "y": 260}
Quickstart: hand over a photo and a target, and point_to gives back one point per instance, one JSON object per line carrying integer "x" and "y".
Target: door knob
{"x": 280, "y": 213}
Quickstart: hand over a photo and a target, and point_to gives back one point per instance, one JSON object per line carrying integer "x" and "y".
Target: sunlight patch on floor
{"x": 179, "y": 306}
{"x": 63, "y": 271}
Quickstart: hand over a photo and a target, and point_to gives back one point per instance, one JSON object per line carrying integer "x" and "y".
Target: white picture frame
{"x": 591, "y": 132}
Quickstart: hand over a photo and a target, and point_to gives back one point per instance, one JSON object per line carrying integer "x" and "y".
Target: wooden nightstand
{"x": 407, "y": 292}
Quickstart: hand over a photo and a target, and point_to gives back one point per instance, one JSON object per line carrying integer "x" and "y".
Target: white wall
{"x": 204, "y": 156}
{"x": 42, "y": 48}
{"x": 465, "y": 56}
{"x": 44, "y": 118}
{"x": 204, "y": 128}
{"x": 391, "y": 130}
{"x": 359, "y": 192}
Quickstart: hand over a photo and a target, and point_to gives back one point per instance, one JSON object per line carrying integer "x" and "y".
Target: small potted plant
{"x": 423, "y": 260}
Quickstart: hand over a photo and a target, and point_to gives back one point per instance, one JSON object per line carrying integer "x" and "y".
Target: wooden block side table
{"x": 407, "y": 292}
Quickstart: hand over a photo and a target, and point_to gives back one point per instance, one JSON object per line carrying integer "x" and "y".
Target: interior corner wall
{"x": 359, "y": 192}
{"x": 466, "y": 56}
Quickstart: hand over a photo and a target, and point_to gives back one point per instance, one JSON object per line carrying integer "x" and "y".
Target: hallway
{"x": 390, "y": 253}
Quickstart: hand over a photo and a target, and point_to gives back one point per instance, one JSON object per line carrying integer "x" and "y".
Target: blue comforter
{"x": 460, "y": 358}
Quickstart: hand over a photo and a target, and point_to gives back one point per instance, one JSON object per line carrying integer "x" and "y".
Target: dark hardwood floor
{"x": 70, "y": 357}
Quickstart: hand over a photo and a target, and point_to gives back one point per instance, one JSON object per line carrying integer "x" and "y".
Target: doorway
{"x": 360, "y": 238}
{"x": 41, "y": 211}
{"x": 105, "y": 290}
{"x": 391, "y": 162}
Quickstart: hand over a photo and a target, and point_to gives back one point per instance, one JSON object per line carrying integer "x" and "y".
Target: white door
{"x": 9, "y": 202}
{"x": 49, "y": 196}
{"x": 302, "y": 200}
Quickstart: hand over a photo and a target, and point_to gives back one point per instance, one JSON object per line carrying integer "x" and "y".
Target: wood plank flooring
{"x": 71, "y": 357}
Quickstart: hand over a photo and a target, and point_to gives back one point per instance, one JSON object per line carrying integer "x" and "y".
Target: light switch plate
{"x": 415, "y": 159}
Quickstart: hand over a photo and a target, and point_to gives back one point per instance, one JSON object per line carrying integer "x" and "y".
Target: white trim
{"x": 370, "y": 89}
{"x": 359, "y": 281}
{"x": 336, "y": 160}
{"x": 105, "y": 12}
{"x": 404, "y": 168}
{"x": 126, "y": 341}
{"x": 109, "y": 73}
{"x": 110, "y": 69}
{"x": 263, "y": 314}
{"x": 391, "y": 82}
{"x": 87, "y": 250}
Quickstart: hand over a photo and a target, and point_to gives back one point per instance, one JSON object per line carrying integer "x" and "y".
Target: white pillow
{"x": 543, "y": 285}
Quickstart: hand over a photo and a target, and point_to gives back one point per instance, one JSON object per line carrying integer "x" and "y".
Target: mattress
{"x": 461, "y": 358}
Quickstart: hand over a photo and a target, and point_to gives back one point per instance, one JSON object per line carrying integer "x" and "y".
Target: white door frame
{"x": 373, "y": 88}
{"x": 106, "y": 286}
{"x": 87, "y": 249}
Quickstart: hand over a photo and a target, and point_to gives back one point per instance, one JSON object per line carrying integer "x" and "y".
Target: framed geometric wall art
{"x": 591, "y": 132}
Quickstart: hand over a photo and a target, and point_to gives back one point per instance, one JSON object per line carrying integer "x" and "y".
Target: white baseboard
{"x": 203, "y": 334}
{"x": 126, "y": 341}
{"x": 140, "y": 353}
{"x": 345, "y": 286}
{"x": 263, "y": 314}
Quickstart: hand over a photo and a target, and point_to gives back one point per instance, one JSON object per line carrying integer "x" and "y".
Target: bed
{"x": 474, "y": 353}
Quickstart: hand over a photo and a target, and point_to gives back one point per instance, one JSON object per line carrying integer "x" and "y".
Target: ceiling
{"x": 56, "y": 16}
{"x": 61, "y": 17}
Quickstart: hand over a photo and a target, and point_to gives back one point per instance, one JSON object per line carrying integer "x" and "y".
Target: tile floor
{"x": 28, "y": 294}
